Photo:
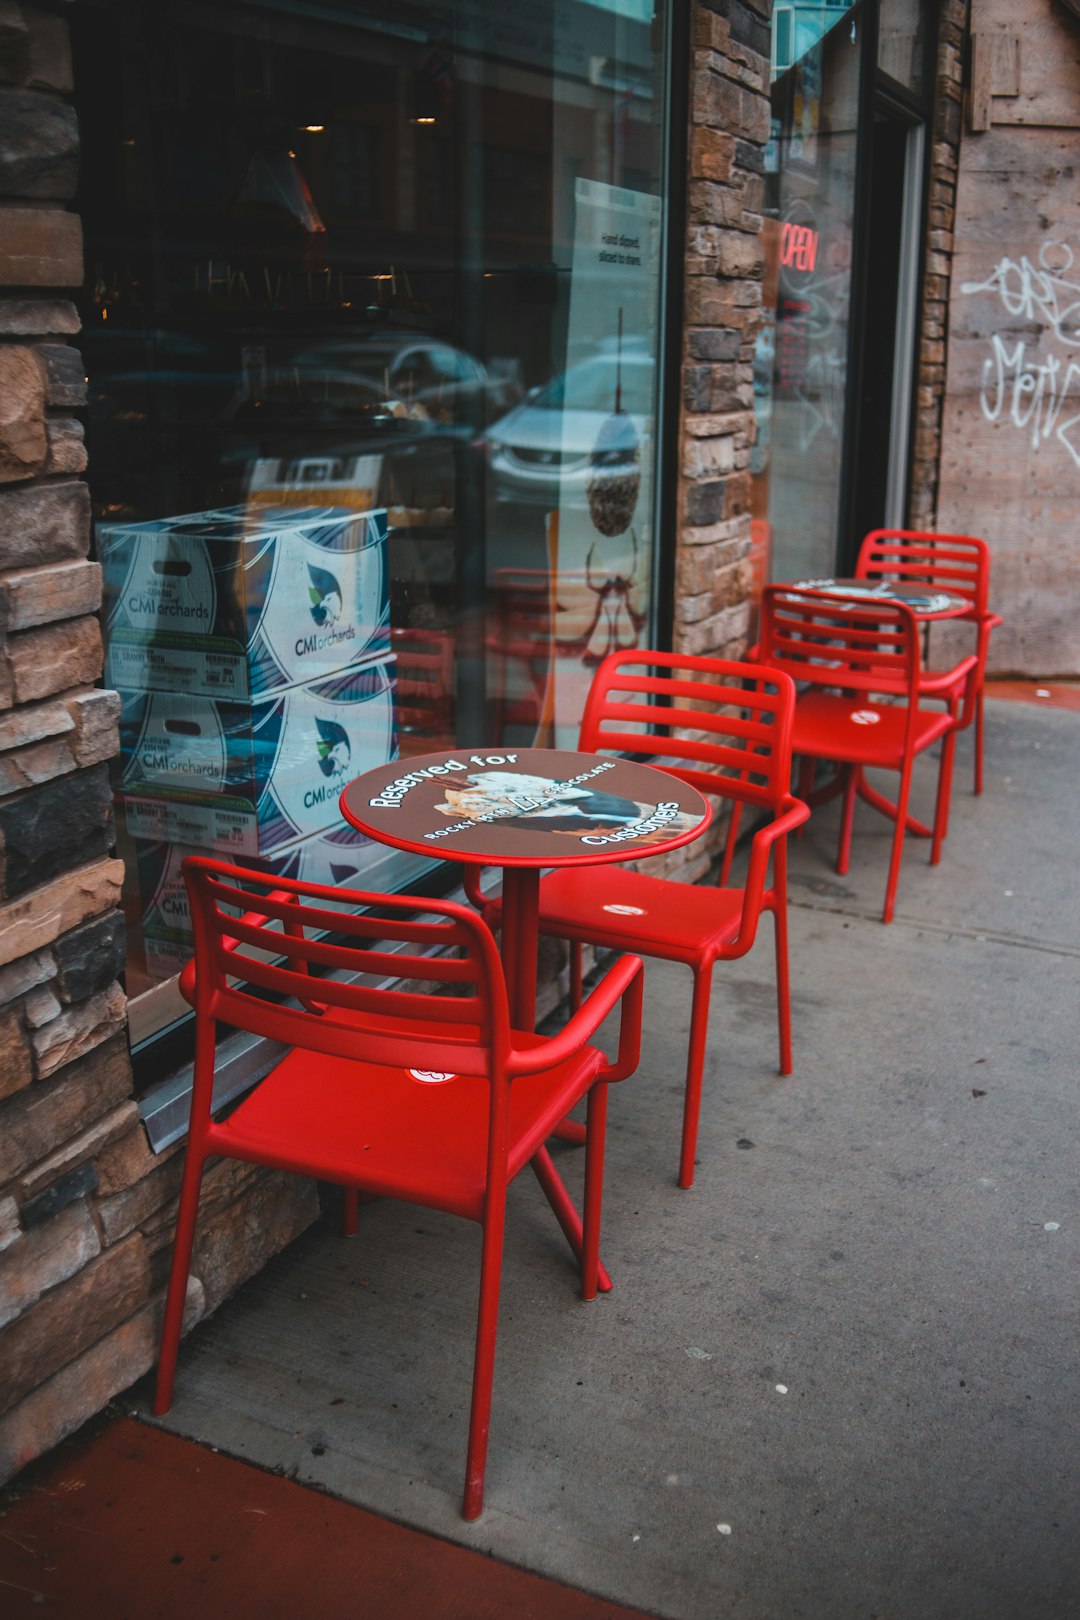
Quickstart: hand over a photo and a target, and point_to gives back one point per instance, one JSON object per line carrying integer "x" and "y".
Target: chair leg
{"x": 576, "y": 950}
{"x": 847, "y": 818}
{"x": 944, "y": 794}
{"x": 572, "y": 1130}
{"x": 554, "y": 1190}
{"x": 730, "y": 840}
{"x": 807, "y": 769}
{"x": 979, "y": 741}
{"x": 780, "y": 928}
{"x": 594, "y": 1189}
{"x": 898, "y": 841}
{"x": 695, "y": 1063}
{"x": 178, "y": 1277}
{"x": 350, "y": 1224}
{"x": 487, "y": 1321}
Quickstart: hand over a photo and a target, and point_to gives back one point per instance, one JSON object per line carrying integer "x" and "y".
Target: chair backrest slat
{"x": 335, "y": 1035}
{"x": 352, "y": 959}
{"x": 239, "y": 953}
{"x": 281, "y": 899}
{"x": 734, "y": 742}
{"x": 854, "y": 645}
{"x": 345, "y": 997}
{"x": 959, "y": 563}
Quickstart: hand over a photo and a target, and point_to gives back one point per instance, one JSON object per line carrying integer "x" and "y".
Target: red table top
{"x": 525, "y": 807}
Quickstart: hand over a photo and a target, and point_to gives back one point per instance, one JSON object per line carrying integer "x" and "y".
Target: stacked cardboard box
{"x": 251, "y": 650}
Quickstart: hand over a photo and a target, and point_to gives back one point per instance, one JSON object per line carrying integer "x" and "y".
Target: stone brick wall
{"x": 729, "y": 126}
{"x": 86, "y": 1210}
{"x": 937, "y": 265}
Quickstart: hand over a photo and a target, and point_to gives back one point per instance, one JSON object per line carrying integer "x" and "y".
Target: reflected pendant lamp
{"x": 614, "y": 470}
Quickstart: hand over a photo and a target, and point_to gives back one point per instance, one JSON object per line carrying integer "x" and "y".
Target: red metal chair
{"x": 424, "y": 688}
{"x": 958, "y": 563}
{"x": 433, "y": 1099}
{"x": 725, "y": 728}
{"x": 845, "y": 654}
{"x": 521, "y": 645}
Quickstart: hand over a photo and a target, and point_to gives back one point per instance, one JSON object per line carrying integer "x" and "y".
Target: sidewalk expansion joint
{"x": 989, "y": 936}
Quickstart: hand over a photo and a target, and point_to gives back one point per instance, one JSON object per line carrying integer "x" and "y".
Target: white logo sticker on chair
{"x": 625, "y": 911}
{"x": 431, "y": 1077}
{"x": 866, "y": 717}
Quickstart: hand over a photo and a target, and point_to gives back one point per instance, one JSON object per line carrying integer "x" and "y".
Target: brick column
{"x": 937, "y": 265}
{"x": 724, "y": 267}
{"x": 65, "y": 1081}
{"x": 729, "y": 126}
{"x": 85, "y": 1209}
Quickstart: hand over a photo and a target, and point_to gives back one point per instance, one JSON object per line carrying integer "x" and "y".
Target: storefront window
{"x": 902, "y": 28}
{"x": 800, "y": 372}
{"x": 372, "y": 337}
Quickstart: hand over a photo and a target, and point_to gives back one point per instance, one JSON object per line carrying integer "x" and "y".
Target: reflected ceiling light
{"x": 423, "y": 120}
{"x": 314, "y": 129}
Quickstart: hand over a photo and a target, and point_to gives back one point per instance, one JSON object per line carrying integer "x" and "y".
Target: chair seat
{"x": 397, "y": 1132}
{"x": 860, "y": 731}
{"x": 633, "y": 911}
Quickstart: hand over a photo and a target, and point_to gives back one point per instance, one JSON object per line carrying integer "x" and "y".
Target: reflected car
{"x": 547, "y": 448}
{"x": 306, "y": 396}
{"x": 342, "y": 439}
{"x": 438, "y": 382}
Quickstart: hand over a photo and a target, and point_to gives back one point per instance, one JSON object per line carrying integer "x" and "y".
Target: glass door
{"x": 801, "y": 367}
{"x": 833, "y": 376}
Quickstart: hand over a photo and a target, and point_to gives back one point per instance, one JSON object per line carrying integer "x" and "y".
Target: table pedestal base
{"x": 869, "y": 795}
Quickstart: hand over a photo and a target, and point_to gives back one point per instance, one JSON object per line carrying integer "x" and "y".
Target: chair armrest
{"x": 931, "y": 684}
{"x": 623, "y": 982}
{"x": 792, "y": 813}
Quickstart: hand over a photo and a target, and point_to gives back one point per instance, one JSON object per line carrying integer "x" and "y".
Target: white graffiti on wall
{"x": 1036, "y": 393}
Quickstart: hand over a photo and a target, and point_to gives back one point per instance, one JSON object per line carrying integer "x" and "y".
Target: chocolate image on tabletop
{"x": 520, "y": 800}
{"x": 535, "y": 807}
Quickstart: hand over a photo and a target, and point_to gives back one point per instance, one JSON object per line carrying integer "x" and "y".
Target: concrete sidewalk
{"x": 838, "y": 1377}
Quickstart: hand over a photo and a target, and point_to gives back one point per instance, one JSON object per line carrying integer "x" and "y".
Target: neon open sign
{"x": 798, "y": 247}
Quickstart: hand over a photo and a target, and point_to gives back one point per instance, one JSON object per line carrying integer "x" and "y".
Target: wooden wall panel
{"x": 1034, "y": 61}
{"x": 1010, "y": 463}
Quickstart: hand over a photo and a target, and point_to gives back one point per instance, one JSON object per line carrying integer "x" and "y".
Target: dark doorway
{"x": 880, "y": 405}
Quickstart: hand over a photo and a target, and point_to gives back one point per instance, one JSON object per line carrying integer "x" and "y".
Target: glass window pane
{"x": 902, "y": 42}
{"x": 800, "y": 372}
{"x": 371, "y": 326}
{"x": 798, "y": 25}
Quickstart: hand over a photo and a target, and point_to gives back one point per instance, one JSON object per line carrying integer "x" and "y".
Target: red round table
{"x": 524, "y": 810}
{"x": 927, "y": 602}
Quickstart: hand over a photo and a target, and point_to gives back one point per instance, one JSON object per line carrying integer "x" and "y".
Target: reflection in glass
{"x": 798, "y": 25}
{"x": 800, "y": 372}
{"x": 372, "y": 307}
{"x": 902, "y": 42}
